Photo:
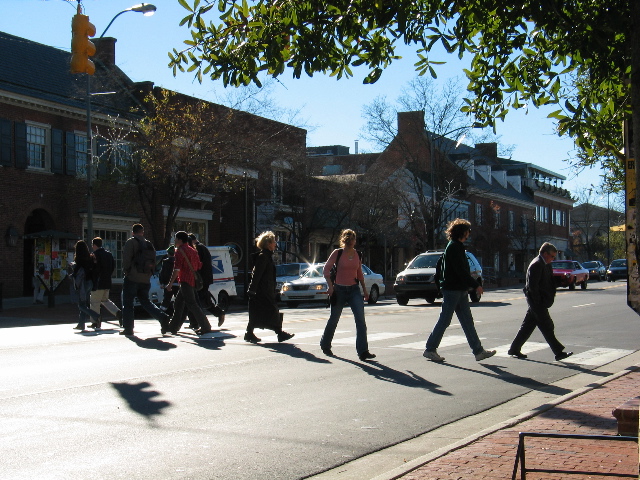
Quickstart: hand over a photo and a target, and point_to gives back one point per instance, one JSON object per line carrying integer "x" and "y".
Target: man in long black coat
{"x": 101, "y": 276}
{"x": 540, "y": 290}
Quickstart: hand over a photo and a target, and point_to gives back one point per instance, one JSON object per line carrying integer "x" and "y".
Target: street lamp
{"x": 146, "y": 9}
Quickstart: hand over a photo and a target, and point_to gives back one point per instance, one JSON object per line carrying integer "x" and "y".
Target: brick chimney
{"x": 410, "y": 123}
{"x": 105, "y": 50}
{"x": 488, "y": 149}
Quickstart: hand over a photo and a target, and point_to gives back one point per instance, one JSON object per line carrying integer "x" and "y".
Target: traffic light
{"x": 81, "y": 47}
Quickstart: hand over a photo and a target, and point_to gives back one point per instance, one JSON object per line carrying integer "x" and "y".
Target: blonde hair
{"x": 264, "y": 239}
{"x": 344, "y": 234}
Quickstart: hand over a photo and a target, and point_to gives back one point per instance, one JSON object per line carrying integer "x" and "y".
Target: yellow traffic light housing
{"x": 81, "y": 47}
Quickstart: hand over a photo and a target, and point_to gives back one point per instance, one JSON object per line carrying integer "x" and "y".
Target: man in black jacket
{"x": 455, "y": 283}
{"x": 540, "y": 290}
{"x": 206, "y": 272}
{"x": 102, "y": 273}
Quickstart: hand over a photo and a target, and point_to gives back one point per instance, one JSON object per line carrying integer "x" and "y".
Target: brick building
{"x": 43, "y": 160}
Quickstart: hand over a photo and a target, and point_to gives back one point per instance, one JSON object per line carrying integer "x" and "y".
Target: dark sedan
{"x": 617, "y": 269}
{"x": 596, "y": 269}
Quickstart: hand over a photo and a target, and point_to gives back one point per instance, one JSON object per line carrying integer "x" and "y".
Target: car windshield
{"x": 590, "y": 264}
{"x": 287, "y": 270}
{"x": 619, "y": 263}
{"x": 563, "y": 265}
{"x": 314, "y": 272}
{"x": 424, "y": 261}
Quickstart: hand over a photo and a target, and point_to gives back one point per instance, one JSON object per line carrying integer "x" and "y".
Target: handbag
{"x": 196, "y": 275}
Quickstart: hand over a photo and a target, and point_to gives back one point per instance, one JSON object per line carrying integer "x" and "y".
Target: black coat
{"x": 540, "y": 287}
{"x": 456, "y": 274}
{"x": 104, "y": 268}
{"x": 263, "y": 307}
{"x": 206, "y": 272}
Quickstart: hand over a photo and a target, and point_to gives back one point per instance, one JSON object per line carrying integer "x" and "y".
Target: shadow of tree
{"x": 388, "y": 374}
{"x": 140, "y": 400}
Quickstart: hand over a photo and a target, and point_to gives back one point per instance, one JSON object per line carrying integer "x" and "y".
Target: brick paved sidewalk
{"x": 492, "y": 457}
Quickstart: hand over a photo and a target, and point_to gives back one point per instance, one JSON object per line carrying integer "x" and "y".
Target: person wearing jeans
{"x": 455, "y": 284}
{"x": 344, "y": 287}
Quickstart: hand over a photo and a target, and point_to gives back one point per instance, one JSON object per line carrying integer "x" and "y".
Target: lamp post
{"x": 146, "y": 9}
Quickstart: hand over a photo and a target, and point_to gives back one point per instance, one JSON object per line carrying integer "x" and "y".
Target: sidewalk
{"x": 492, "y": 456}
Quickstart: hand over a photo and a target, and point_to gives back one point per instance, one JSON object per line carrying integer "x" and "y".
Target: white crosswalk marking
{"x": 373, "y": 337}
{"x": 597, "y": 356}
{"x": 448, "y": 341}
{"x": 300, "y": 335}
{"x": 528, "y": 347}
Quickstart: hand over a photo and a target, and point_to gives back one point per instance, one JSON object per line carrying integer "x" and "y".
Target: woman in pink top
{"x": 346, "y": 289}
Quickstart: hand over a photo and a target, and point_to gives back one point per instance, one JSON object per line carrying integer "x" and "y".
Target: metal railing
{"x": 520, "y": 455}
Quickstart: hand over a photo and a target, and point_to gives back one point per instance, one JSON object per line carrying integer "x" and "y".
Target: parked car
{"x": 417, "y": 279}
{"x": 285, "y": 272}
{"x": 312, "y": 287}
{"x": 596, "y": 269}
{"x": 569, "y": 273}
{"x": 617, "y": 269}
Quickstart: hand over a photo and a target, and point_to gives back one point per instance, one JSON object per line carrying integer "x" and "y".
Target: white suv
{"x": 417, "y": 279}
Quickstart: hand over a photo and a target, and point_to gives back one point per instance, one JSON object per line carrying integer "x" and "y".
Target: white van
{"x": 222, "y": 288}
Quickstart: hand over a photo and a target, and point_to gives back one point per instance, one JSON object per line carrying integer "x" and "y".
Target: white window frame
{"x": 46, "y": 146}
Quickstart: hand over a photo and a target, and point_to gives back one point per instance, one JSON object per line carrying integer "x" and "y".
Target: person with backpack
{"x": 185, "y": 269}
{"x": 165, "y": 276}
{"x": 206, "y": 272}
{"x": 344, "y": 287}
{"x": 83, "y": 265}
{"x": 138, "y": 264}
{"x": 455, "y": 281}
{"x": 104, "y": 268}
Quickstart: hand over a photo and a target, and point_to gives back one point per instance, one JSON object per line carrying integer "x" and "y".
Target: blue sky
{"x": 332, "y": 106}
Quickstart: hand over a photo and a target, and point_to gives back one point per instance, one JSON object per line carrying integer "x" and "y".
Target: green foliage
{"x": 574, "y": 53}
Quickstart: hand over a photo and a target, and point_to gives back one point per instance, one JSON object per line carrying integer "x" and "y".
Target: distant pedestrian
{"x": 83, "y": 265}
{"x": 263, "y": 307}
{"x": 540, "y": 291}
{"x": 165, "y": 277}
{"x": 138, "y": 264}
{"x": 186, "y": 264}
{"x": 345, "y": 288}
{"x": 455, "y": 282}
{"x": 104, "y": 267}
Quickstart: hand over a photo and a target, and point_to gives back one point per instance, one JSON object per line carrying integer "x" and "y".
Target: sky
{"x": 332, "y": 107}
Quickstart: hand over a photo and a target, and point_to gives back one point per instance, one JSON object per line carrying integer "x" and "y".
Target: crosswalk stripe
{"x": 448, "y": 341}
{"x": 373, "y": 337}
{"x": 299, "y": 335}
{"x": 528, "y": 347}
{"x": 597, "y": 356}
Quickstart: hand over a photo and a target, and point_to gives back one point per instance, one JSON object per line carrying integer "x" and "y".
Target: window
{"x": 81, "y": 155}
{"x": 478, "y": 214}
{"x": 496, "y": 218}
{"x": 121, "y": 155}
{"x": 542, "y": 214}
{"x": 512, "y": 220}
{"x": 525, "y": 224}
{"x": 199, "y": 229}
{"x": 37, "y": 151}
{"x": 277, "y": 186}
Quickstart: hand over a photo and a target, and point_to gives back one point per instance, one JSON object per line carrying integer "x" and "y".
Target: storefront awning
{"x": 52, "y": 234}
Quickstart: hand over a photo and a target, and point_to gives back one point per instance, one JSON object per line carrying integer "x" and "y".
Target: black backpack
{"x": 438, "y": 276}
{"x": 144, "y": 259}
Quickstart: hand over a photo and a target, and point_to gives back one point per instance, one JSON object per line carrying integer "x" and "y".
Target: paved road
{"x": 103, "y": 406}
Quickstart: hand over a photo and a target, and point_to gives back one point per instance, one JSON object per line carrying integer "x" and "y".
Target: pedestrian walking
{"x": 138, "y": 264}
{"x": 170, "y": 289}
{"x": 83, "y": 265}
{"x": 263, "y": 307}
{"x": 455, "y": 282}
{"x": 187, "y": 263}
{"x": 206, "y": 272}
{"x": 540, "y": 291}
{"x": 344, "y": 287}
{"x": 104, "y": 267}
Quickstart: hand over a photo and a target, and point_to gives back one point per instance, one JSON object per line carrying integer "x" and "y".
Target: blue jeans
{"x": 131, "y": 290}
{"x": 455, "y": 301}
{"x": 351, "y": 295}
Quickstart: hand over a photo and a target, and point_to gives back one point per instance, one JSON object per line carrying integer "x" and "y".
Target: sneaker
{"x": 433, "y": 356}
{"x": 484, "y": 354}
